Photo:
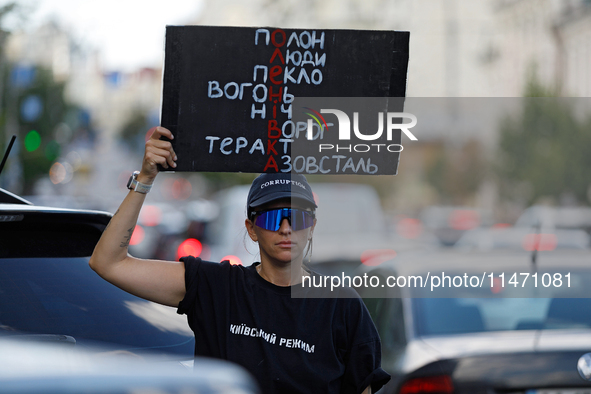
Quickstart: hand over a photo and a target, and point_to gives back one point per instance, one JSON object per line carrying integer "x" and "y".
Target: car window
{"x": 394, "y": 335}
{"x": 47, "y": 238}
{"x": 486, "y": 239}
{"x": 344, "y": 208}
{"x": 440, "y": 316}
{"x": 63, "y": 296}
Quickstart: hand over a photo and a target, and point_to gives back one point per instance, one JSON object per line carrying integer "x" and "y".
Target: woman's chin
{"x": 289, "y": 257}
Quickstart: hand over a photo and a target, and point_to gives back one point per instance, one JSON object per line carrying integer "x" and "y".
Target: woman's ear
{"x": 312, "y": 230}
{"x": 250, "y": 228}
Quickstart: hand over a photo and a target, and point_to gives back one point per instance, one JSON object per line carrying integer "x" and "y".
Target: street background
{"x": 80, "y": 86}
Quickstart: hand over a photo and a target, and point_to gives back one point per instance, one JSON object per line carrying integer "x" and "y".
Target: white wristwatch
{"x": 136, "y": 186}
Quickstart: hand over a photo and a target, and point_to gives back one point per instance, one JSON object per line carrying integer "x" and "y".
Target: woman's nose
{"x": 285, "y": 226}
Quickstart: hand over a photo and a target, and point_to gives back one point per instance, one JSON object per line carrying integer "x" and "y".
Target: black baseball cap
{"x": 274, "y": 186}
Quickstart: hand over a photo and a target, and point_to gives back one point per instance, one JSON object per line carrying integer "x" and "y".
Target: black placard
{"x": 219, "y": 80}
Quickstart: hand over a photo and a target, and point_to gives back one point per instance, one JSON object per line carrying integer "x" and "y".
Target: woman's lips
{"x": 285, "y": 244}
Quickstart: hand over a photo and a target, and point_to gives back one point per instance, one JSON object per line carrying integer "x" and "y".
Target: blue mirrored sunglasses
{"x": 271, "y": 219}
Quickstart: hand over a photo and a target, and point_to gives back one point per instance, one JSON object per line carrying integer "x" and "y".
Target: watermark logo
{"x": 314, "y": 116}
{"x": 344, "y": 124}
{"x": 346, "y": 135}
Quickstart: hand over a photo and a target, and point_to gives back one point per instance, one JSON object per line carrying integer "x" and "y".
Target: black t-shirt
{"x": 290, "y": 345}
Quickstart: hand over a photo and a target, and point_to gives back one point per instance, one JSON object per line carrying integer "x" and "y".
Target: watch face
{"x": 134, "y": 185}
{"x": 129, "y": 182}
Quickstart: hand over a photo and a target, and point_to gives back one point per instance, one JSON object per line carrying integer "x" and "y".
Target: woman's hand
{"x": 157, "y": 152}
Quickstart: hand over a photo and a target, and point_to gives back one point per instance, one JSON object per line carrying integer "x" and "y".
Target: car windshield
{"x": 440, "y": 316}
{"x": 63, "y": 296}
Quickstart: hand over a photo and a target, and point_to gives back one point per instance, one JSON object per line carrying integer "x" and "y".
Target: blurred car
{"x": 226, "y": 235}
{"x": 548, "y": 217}
{"x": 518, "y": 332}
{"x": 523, "y": 238}
{"x": 351, "y": 227}
{"x": 34, "y": 368}
{"x": 160, "y": 229}
{"x": 47, "y": 287}
{"x": 449, "y": 223}
{"x": 50, "y": 296}
{"x": 167, "y": 232}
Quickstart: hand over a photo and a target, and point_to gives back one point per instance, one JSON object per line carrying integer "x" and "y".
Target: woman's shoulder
{"x": 196, "y": 265}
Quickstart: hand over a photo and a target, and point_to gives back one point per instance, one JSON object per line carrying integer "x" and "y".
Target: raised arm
{"x": 154, "y": 280}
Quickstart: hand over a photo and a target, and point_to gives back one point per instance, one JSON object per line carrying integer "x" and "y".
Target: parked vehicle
{"x": 523, "y": 238}
{"x": 548, "y": 217}
{"x": 50, "y": 296}
{"x": 49, "y": 289}
{"x": 448, "y": 223}
{"x": 29, "y": 367}
{"x": 512, "y": 334}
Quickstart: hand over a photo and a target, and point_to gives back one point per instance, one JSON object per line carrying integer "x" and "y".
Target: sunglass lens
{"x": 301, "y": 219}
{"x": 271, "y": 220}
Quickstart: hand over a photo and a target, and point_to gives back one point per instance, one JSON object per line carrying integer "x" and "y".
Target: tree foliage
{"x": 56, "y": 111}
{"x": 456, "y": 174}
{"x": 134, "y": 131}
{"x": 32, "y": 104}
{"x": 544, "y": 149}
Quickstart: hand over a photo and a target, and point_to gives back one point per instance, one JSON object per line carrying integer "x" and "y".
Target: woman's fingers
{"x": 158, "y": 151}
{"x": 164, "y": 150}
{"x": 161, "y": 132}
{"x": 162, "y": 144}
{"x": 164, "y": 157}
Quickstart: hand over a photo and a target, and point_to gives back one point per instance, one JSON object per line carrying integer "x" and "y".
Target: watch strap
{"x": 137, "y": 186}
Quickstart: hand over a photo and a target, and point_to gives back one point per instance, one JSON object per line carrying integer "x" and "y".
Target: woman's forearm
{"x": 112, "y": 247}
{"x": 155, "y": 280}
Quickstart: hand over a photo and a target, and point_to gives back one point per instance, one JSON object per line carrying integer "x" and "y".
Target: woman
{"x": 247, "y": 314}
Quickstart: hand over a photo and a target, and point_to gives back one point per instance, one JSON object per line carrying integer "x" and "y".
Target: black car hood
{"x": 422, "y": 351}
{"x": 503, "y": 360}
{"x": 509, "y": 372}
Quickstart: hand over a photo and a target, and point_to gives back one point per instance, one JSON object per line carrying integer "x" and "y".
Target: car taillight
{"x": 375, "y": 257}
{"x": 189, "y": 247}
{"x": 232, "y": 259}
{"x": 138, "y": 235}
{"x": 440, "y": 384}
{"x": 540, "y": 242}
{"x": 464, "y": 219}
{"x": 150, "y": 215}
